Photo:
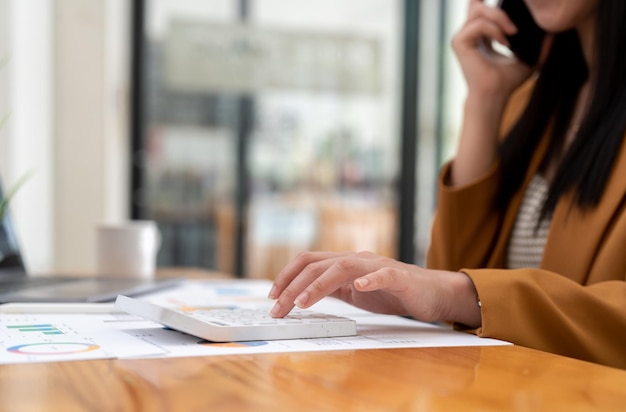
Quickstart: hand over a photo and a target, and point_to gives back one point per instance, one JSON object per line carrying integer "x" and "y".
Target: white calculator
{"x": 240, "y": 324}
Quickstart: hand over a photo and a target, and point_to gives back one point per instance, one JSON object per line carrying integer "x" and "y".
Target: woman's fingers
{"x": 478, "y": 30}
{"x": 294, "y": 268}
{"x": 480, "y": 11}
{"x": 288, "y": 295}
{"x": 322, "y": 278}
{"x": 393, "y": 279}
{"x": 483, "y": 22}
{"x": 297, "y": 275}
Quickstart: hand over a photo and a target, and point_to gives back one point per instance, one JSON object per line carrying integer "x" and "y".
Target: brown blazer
{"x": 575, "y": 303}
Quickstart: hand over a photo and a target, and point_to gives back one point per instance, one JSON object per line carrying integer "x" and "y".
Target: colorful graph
{"x": 43, "y": 328}
{"x": 52, "y": 348}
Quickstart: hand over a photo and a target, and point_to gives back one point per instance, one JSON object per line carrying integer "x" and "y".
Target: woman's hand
{"x": 486, "y": 72}
{"x": 377, "y": 284}
{"x": 491, "y": 79}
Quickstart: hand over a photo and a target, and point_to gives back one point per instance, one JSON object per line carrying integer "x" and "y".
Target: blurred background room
{"x": 249, "y": 130}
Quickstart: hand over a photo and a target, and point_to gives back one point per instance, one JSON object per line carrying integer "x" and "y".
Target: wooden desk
{"x": 431, "y": 379}
{"x": 434, "y": 379}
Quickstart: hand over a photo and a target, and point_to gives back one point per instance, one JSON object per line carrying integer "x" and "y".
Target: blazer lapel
{"x": 576, "y": 236}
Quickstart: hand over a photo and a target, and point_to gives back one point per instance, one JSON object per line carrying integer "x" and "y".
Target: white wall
{"x": 27, "y": 136}
{"x": 67, "y": 92}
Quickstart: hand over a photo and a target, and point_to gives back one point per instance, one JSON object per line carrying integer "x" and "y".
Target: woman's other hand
{"x": 491, "y": 79}
{"x": 375, "y": 283}
{"x": 486, "y": 72}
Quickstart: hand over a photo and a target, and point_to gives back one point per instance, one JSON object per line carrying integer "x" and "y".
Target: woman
{"x": 529, "y": 238}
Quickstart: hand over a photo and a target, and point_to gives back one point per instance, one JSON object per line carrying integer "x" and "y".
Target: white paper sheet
{"x": 33, "y": 337}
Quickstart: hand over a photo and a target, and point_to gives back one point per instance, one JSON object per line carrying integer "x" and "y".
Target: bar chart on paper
{"x": 39, "y": 333}
{"x": 24, "y": 338}
{"x": 43, "y": 328}
{"x": 41, "y": 338}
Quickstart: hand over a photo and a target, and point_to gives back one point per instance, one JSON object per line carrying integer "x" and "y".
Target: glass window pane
{"x": 318, "y": 82}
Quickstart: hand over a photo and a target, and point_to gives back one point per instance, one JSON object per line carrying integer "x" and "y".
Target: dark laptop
{"x": 17, "y": 286}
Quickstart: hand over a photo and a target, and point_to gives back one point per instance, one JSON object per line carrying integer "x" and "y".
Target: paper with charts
{"x": 35, "y": 337}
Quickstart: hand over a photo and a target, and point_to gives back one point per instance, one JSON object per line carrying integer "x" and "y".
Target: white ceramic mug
{"x": 127, "y": 249}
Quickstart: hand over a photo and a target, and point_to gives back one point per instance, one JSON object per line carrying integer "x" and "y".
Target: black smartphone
{"x": 526, "y": 43}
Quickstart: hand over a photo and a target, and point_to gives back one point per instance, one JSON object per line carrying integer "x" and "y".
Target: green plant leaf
{"x": 4, "y": 203}
{"x": 4, "y": 119}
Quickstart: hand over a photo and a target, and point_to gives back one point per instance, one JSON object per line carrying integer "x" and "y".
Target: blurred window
{"x": 270, "y": 127}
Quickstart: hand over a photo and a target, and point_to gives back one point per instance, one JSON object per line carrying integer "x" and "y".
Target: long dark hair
{"x": 589, "y": 160}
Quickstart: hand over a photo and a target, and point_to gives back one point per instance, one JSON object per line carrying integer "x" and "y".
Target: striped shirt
{"x": 528, "y": 239}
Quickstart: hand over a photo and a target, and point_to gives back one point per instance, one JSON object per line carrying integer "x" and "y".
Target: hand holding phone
{"x": 526, "y": 43}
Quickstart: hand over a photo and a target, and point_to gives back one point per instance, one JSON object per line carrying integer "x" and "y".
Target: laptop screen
{"x": 10, "y": 257}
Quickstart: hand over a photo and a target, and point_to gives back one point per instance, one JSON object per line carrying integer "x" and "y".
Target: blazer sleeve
{"x": 547, "y": 311}
{"x": 465, "y": 224}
